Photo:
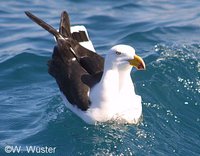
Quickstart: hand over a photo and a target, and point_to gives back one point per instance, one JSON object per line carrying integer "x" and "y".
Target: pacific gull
{"x": 95, "y": 88}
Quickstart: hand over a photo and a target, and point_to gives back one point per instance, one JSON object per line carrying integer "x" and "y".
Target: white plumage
{"x": 87, "y": 44}
{"x": 113, "y": 98}
{"x": 78, "y": 71}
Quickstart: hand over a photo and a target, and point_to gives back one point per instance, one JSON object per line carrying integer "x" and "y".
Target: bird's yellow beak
{"x": 138, "y": 63}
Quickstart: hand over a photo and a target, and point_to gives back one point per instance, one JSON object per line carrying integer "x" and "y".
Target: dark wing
{"x": 69, "y": 75}
{"x": 83, "y": 55}
{"x": 64, "y": 28}
{"x": 91, "y": 61}
{"x": 75, "y": 68}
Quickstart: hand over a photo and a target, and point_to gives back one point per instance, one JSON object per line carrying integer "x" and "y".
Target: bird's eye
{"x": 118, "y": 53}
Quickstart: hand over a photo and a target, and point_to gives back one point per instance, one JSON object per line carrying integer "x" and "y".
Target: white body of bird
{"x": 113, "y": 98}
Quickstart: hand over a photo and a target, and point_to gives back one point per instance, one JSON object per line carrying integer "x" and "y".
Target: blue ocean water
{"x": 166, "y": 34}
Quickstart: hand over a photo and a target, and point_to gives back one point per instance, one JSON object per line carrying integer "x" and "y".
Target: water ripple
{"x": 163, "y": 32}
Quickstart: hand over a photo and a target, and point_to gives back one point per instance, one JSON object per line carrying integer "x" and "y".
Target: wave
{"x": 170, "y": 90}
{"x": 164, "y": 33}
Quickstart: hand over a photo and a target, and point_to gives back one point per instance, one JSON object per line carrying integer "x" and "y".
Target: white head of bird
{"x": 124, "y": 57}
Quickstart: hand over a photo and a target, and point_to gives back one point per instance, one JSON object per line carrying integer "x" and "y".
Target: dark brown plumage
{"x": 75, "y": 68}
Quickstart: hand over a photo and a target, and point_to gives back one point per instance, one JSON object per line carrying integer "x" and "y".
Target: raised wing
{"x": 75, "y": 68}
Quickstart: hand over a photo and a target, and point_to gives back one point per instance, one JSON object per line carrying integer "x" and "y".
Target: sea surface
{"x": 165, "y": 33}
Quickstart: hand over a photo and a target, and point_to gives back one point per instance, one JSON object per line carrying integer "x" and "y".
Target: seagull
{"x": 95, "y": 88}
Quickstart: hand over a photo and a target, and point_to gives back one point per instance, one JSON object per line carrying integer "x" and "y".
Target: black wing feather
{"x": 74, "y": 77}
{"x": 64, "y": 28}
